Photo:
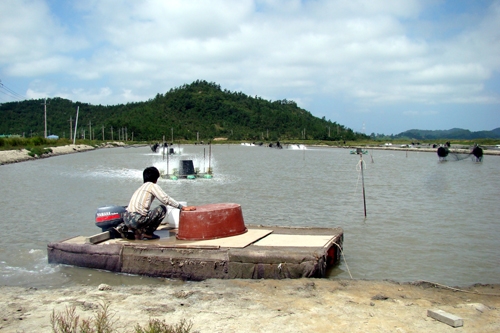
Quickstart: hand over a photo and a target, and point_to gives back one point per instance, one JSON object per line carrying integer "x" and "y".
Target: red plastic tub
{"x": 211, "y": 221}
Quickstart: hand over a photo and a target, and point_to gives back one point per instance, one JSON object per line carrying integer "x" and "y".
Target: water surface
{"x": 425, "y": 220}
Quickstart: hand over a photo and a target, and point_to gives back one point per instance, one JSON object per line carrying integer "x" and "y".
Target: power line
{"x": 3, "y": 100}
{"x": 11, "y": 93}
{"x": 8, "y": 94}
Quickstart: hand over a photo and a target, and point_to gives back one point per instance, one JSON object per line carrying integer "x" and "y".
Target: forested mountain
{"x": 200, "y": 107}
{"x": 452, "y": 134}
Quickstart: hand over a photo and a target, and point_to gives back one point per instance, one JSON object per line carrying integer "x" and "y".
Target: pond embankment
{"x": 21, "y": 155}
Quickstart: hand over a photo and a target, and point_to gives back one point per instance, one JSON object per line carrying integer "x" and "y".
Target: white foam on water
{"x": 117, "y": 173}
{"x": 297, "y": 147}
{"x": 199, "y": 162}
{"x": 29, "y": 265}
{"x": 160, "y": 152}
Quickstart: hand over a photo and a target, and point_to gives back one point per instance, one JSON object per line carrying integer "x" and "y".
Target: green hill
{"x": 200, "y": 107}
{"x": 452, "y": 134}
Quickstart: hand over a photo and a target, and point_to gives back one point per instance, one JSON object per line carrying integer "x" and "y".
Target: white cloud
{"x": 41, "y": 66}
{"x": 93, "y": 96}
{"x": 129, "y": 96}
{"x": 426, "y": 113}
{"x": 33, "y": 94}
{"x": 368, "y": 53}
{"x": 452, "y": 73}
{"x": 29, "y": 33}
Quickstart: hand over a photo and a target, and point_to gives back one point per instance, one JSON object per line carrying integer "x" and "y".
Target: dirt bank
{"x": 21, "y": 155}
{"x": 304, "y": 305}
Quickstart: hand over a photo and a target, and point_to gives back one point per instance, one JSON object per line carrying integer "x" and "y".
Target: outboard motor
{"x": 108, "y": 217}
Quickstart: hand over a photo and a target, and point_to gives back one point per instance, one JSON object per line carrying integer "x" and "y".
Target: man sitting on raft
{"x": 138, "y": 216}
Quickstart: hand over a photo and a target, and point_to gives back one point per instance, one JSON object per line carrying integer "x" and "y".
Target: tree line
{"x": 200, "y": 110}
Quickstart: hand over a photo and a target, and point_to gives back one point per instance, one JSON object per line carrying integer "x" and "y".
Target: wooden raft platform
{"x": 262, "y": 252}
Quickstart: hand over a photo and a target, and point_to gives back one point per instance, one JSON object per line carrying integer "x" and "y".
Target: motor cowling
{"x": 108, "y": 217}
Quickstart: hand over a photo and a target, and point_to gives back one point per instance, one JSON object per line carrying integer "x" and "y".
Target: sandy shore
{"x": 21, "y": 155}
{"x": 303, "y": 305}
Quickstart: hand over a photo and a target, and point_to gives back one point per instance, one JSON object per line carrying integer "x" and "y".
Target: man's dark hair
{"x": 151, "y": 174}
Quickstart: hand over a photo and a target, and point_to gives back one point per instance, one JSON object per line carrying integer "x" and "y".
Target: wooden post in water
{"x": 164, "y": 149}
{"x": 362, "y": 179}
{"x": 209, "y": 157}
{"x": 168, "y": 159}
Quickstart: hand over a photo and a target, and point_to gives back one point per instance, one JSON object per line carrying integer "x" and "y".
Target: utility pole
{"x": 45, "y": 116}
{"x": 76, "y": 123}
{"x": 102, "y": 132}
{"x": 90, "y": 130}
{"x": 70, "y": 127}
{"x": 111, "y": 133}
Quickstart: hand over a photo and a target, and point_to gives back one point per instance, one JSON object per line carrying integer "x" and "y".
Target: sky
{"x": 375, "y": 66}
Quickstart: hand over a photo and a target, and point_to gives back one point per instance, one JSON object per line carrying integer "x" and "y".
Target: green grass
{"x": 105, "y": 321}
{"x": 38, "y": 142}
{"x": 20, "y": 143}
{"x": 38, "y": 151}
